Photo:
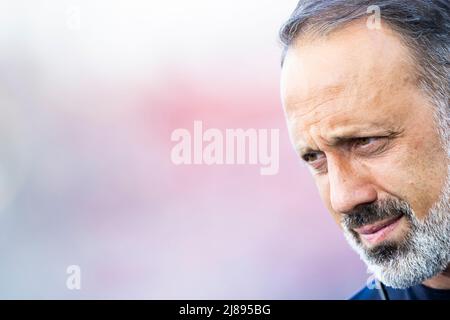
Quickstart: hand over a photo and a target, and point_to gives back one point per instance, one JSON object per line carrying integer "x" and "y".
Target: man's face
{"x": 357, "y": 116}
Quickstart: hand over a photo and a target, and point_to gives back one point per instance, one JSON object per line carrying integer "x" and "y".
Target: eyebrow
{"x": 344, "y": 139}
{"x": 335, "y": 141}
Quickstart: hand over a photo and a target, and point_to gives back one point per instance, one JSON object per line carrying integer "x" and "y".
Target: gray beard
{"x": 422, "y": 254}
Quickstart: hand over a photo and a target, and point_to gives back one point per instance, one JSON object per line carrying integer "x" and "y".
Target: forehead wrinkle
{"x": 320, "y": 133}
{"x": 356, "y": 89}
{"x": 325, "y": 94}
{"x": 352, "y": 86}
{"x": 306, "y": 130}
{"x": 310, "y": 136}
{"x": 325, "y": 120}
{"x": 355, "y": 98}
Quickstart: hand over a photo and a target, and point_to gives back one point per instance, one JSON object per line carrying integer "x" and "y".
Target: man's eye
{"x": 364, "y": 141}
{"x": 370, "y": 145}
{"x": 310, "y": 157}
{"x": 314, "y": 158}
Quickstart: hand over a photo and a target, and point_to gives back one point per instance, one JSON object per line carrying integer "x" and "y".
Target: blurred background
{"x": 90, "y": 92}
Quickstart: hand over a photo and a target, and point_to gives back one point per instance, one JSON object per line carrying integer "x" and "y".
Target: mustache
{"x": 370, "y": 213}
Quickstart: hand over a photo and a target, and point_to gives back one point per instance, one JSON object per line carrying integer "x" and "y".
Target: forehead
{"x": 354, "y": 77}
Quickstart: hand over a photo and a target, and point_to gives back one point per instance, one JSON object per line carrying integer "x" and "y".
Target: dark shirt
{"x": 418, "y": 292}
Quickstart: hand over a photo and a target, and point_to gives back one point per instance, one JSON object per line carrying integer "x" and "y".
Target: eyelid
{"x": 357, "y": 140}
{"x": 377, "y": 148}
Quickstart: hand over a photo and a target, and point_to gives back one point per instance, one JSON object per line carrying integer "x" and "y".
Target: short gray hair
{"x": 423, "y": 25}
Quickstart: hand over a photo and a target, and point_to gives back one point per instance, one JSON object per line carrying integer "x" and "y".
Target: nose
{"x": 349, "y": 187}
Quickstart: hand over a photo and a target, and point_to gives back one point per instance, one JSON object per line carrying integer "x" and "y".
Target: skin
{"x": 358, "y": 118}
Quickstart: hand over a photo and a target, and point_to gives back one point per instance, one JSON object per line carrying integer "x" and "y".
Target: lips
{"x": 372, "y": 228}
{"x": 378, "y": 231}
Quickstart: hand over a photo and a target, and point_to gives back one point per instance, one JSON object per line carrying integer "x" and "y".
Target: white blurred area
{"x": 69, "y": 41}
{"x": 14, "y": 150}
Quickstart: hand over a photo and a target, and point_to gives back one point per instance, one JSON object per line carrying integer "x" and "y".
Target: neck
{"x": 441, "y": 281}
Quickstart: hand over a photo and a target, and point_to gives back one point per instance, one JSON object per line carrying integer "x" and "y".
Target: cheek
{"x": 415, "y": 173}
{"x": 324, "y": 192}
